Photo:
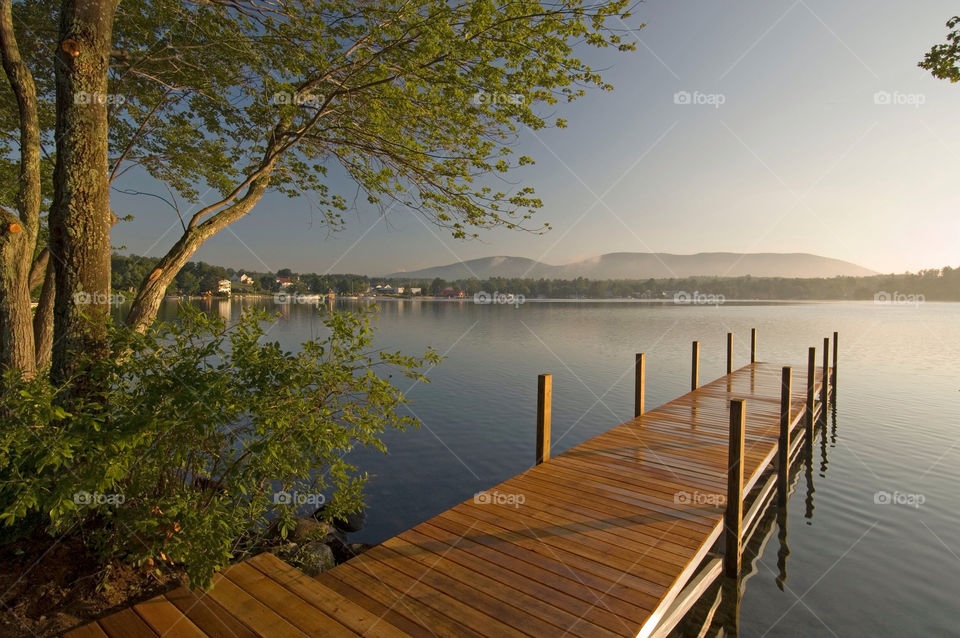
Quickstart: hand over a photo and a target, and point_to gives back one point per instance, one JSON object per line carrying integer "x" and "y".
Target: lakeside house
{"x": 415, "y": 291}
{"x": 452, "y": 293}
{"x": 284, "y": 282}
{"x": 224, "y": 286}
{"x": 387, "y": 289}
{"x": 242, "y": 278}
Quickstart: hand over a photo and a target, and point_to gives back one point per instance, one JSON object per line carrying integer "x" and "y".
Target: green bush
{"x": 202, "y": 433}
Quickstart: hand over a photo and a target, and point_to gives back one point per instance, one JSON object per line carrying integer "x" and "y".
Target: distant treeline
{"x": 935, "y": 284}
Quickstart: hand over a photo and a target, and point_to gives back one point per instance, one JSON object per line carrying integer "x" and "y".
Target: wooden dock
{"x": 617, "y": 536}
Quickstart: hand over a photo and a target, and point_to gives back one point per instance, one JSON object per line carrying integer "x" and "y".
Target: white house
{"x": 224, "y": 286}
{"x": 245, "y": 278}
{"x": 414, "y": 291}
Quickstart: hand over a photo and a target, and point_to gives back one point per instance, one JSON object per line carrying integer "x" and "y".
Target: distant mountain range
{"x": 647, "y": 266}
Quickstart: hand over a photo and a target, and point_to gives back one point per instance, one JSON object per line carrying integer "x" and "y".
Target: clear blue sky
{"x": 799, "y": 157}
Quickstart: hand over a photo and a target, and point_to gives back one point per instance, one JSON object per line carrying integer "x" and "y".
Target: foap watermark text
{"x": 501, "y": 298}
{"x": 499, "y": 498}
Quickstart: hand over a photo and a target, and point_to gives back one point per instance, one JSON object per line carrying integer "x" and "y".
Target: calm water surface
{"x": 856, "y": 567}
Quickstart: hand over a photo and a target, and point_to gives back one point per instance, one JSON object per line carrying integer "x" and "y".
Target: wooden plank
{"x": 165, "y": 619}
{"x": 595, "y": 537}
{"x": 325, "y": 599}
{"x": 90, "y": 630}
{"x": 250, "y": 611}
{"x": 466, "y": 605}
{"x": 521, "y": 577}
{"x": 528, "y": 614}
{"x": 559, "y": 537}
{"x": 208, "y": 615}
{"x": 126, "y": 624}
{"x": 567, "y": 552}
{"x": 294, "y": 609}
{"x": 691, "y": 593}
{"x": 633, "y": 531}
{"x": 337, "y": 580}
{"x": 398, "y": 600}
{"x": 562, "y": 573}
{"x": 425, "y": 596}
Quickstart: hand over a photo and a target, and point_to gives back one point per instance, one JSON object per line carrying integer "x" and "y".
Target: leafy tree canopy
{"x": 414, "y": 100}
{"x": 943, "y": 60}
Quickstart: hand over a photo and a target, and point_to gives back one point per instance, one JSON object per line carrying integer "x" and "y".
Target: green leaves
{"x": 417, "y": 102}
{"x": 943, "y": 60}
{"x": 203, "y": 429}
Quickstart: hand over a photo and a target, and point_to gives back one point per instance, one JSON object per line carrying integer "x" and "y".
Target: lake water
{"x": 856, "y": 567}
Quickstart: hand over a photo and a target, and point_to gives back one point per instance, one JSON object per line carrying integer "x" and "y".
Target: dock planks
{"x": 598, "y": 541}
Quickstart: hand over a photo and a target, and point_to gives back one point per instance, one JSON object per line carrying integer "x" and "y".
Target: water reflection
{"x": 717, "y": 612}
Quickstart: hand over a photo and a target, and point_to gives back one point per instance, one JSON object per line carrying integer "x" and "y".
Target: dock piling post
{"x": 729, "y": 352}
{"x": 825, "y": 381}
{"x": 733, "y": 517}
{"x": 811, "y": 382}
{"x": 695, "y": 367}
{"x": 833, "y": 375}
{"x": 544, "y": 399}
{"x": 753, "y": 345}
{"x": 783, "y": 446}
{"x": 640, "y": 382}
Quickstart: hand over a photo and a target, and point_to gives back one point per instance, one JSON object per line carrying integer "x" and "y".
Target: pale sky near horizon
{"x": 829, "y": 140}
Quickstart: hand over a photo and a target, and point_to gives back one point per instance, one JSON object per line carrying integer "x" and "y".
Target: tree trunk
{"x": 80, "y": 217}
{"x": 16, "y": 333}
{"x": 18, "y": 233}
{"x": 145, "y": 305}
{"x": 43, "y": 320}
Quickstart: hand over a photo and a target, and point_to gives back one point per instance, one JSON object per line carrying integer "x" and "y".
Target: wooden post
{"x": 695, "y": 367}
{"x": 811, "y": 381}
{"x": 733, "y": 518}
{"x": 783, "y": 446}
{"x": 833, "y": 375}
{"x": 544, "y": 397}
{"x": 640, "y": 382}
{"x": 729, "y": 352}
{"x": 825, "y": 385}
{"x": 753, "y": 345}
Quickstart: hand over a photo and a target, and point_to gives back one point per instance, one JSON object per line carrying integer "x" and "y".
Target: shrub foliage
{"x": 204, "y": 434}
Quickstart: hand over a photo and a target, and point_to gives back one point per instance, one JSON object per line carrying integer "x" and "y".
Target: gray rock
{"x": 349, "y": 523}
{"x": 283, "y": 549}
{"x": 314, "y": 558}
{"x": 310, "y": 529}
{"x": 352, "y": 522}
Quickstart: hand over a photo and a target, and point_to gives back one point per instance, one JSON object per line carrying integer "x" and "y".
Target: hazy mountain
{"x": 646, "y": 266}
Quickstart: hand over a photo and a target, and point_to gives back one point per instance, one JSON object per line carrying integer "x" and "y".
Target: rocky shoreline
{"x": 314, "y": 545}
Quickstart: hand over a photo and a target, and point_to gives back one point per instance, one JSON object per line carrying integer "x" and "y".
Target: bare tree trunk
{"x": 18, "y": 233}
{"x": 43, "y": 320}
{"x": 38, "y": 271}
{"x": 145, "y": 305}
{"x": 80, "y": 217}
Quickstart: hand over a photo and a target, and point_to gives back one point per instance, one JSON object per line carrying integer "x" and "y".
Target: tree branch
{"x": 21, "y": 83}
